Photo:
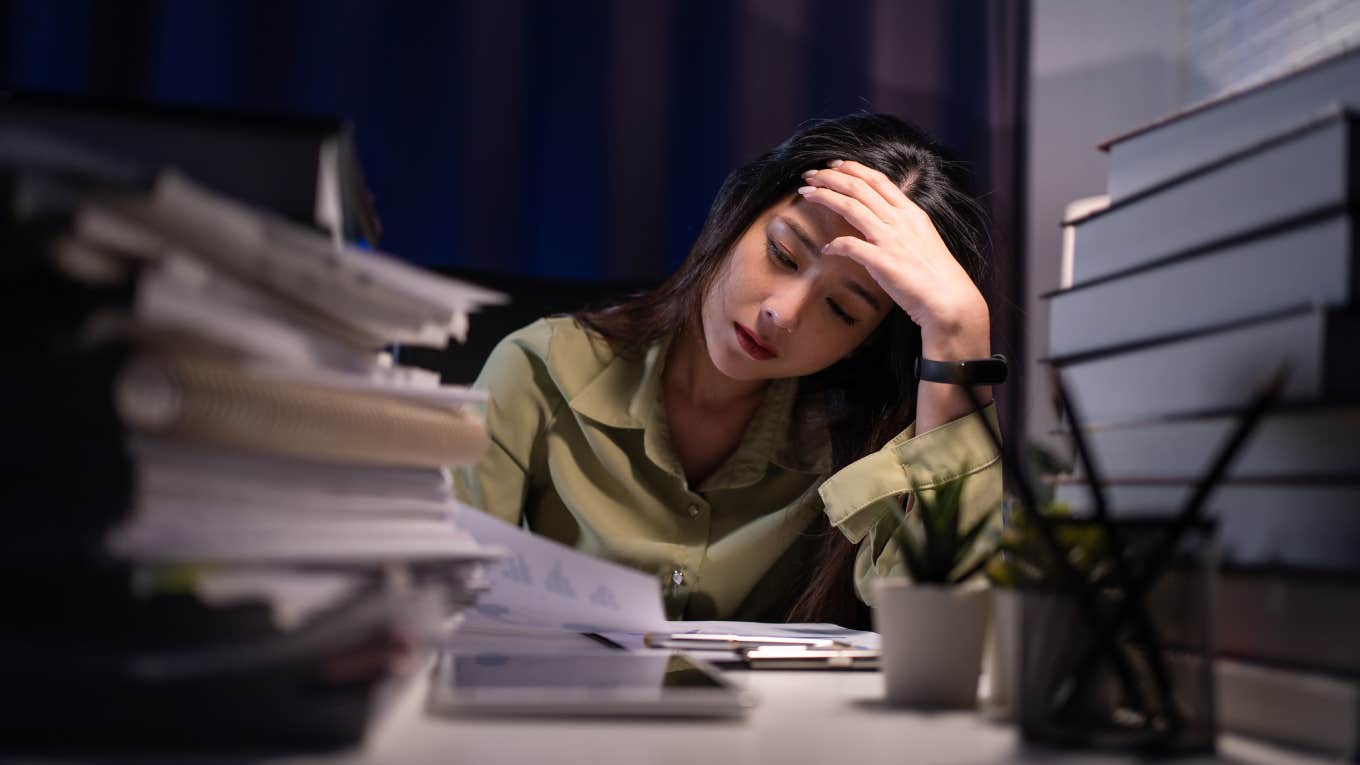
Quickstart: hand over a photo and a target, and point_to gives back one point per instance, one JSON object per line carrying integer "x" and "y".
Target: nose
{"x": 785, "y": 308}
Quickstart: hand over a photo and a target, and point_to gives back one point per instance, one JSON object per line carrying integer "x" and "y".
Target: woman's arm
{"x": 518, "y": 412}
{"x": 857, "y": 497}
{"x": 967, "y": 337}
{"x": 904, "y": 253}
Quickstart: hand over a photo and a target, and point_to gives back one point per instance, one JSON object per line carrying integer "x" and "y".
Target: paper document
{"x": 547, "y": 585}
{"x": 544, "y": 585}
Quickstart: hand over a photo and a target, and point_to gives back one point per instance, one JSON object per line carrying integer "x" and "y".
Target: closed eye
{"x": 778, "y": 256}
{"x": 836, "y": 309}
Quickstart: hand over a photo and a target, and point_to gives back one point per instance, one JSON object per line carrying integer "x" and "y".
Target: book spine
{"x": 1304, "y": 265}
{"x": 1208, "y": 132}
{"x": 1316, "y": 712}
{"x": 1298, "y": 618}
{"x": 1220, "y": 203}
{"x": 1300, "y": 525}
{"x": 1294, "y": 445}
{"x": 211, "y": 402}
{"x": 190, "y": 463}
{"x": 1215, "y": 371}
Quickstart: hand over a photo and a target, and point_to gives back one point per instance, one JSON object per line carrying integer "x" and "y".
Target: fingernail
{"x": 826, "y": 247}
{"x": 805, "y": 190}
{"x": 835, "y": 163}
{"x": 809, "y": 173}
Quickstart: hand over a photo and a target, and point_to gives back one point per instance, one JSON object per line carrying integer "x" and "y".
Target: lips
{"x": 752, "y": 345}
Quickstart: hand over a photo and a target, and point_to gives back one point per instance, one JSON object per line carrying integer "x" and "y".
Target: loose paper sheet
{"x": 542, "y": 585}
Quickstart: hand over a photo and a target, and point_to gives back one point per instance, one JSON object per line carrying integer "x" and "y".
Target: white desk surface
{"x": 827, "y": 718}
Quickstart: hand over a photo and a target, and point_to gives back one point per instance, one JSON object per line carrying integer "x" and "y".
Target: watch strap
{"x": 991, "y": 371}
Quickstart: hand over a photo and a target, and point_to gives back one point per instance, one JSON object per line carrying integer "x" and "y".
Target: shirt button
{"x": 677, "y": 577}
{"x": 693, "y": 511}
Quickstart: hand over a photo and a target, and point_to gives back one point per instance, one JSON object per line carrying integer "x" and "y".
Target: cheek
{"x": 713, "y": 304}
{"x": 824, "y": 346}
{"x": 713, "y": 317}
{"x": 724, "y": 293}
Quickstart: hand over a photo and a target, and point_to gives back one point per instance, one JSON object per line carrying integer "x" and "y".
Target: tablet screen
{"x": 597, "y": 683}
{"x": 485, "y": 670}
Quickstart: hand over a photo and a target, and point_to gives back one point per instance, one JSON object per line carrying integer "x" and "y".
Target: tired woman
{"x": 739, "y": 430}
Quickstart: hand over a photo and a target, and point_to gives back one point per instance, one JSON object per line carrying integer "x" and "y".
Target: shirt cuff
{"x": 929, "y": 460}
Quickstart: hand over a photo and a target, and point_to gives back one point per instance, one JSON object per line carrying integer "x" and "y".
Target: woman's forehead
{"x": 801, "y": 219}
{"x": 819, "y": 223}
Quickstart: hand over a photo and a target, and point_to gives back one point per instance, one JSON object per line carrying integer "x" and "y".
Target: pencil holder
{"x": 1122, "y": 662}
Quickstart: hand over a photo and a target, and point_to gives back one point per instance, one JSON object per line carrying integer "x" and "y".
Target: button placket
{"x": 675, "y": 592}
{"x": 695, "y": 506}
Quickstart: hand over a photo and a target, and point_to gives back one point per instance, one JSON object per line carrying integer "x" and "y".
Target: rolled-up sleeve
{"x": 856, "y": 498}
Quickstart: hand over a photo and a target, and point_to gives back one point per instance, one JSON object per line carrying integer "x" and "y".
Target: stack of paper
{"x": 543, "y": 597}
{"x": 227, "y": 507}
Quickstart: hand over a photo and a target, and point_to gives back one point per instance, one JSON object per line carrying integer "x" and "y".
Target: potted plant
{"x": 1022, "y": 561}
{"x": 1019, "y": 559}
{"x": 1056, "y": 583}
{"x": 933, "y": 623}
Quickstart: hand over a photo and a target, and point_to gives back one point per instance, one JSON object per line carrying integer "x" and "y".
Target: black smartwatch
{"x": 967, "y": 372}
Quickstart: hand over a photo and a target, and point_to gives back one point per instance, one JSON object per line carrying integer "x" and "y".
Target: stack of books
{"x": 1227, "y": 252}
{"x": 227, "y": 510}
{"x": 305, "y": 168}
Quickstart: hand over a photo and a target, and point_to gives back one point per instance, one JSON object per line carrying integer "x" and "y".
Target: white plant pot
{"x": 932, "y": 642}
{"x": 1001, "y": 663}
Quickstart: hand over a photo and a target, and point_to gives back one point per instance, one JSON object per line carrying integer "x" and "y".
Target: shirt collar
{"x": 626, "y": 392}
{"x": 784, "y": 430}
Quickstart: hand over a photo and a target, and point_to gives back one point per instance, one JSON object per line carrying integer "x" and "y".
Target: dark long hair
{"x": 869, "y": 396}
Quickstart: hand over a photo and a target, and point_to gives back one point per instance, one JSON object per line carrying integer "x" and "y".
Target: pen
{"x": 696, "y": 641}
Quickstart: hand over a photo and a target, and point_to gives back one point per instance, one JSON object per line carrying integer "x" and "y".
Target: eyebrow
{"x": 868, "y": 296}
{"x": 816, "y": 252}
{"x": 802, "y": 235}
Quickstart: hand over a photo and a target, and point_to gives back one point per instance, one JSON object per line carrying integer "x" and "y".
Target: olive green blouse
{"x": 580, "y": 453}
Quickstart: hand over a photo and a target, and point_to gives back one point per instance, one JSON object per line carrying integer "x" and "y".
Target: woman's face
{"x": 779, "y": 307}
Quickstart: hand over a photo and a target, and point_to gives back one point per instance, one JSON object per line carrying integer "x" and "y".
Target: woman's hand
{"x": 904, "y": 253}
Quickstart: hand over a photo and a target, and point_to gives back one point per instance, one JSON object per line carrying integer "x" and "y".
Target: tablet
{"x": 592, "y": 685}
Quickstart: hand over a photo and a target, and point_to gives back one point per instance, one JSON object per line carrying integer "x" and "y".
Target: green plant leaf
{"x": 925, "y": 511}
{"x": 969, "y": 539}
{"x": 933, "y": 550}
{"x": 1000, "y": 572}
{"x": 967, "y": 573}
{"x": 911, "y": 556}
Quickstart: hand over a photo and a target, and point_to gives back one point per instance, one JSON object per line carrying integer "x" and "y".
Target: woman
{"x": 740, "y": 429}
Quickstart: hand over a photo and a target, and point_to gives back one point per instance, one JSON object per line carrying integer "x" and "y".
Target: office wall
{"x": 1101, "y": 67}
{"x": 1231, "y": 44}
{"x": 1097, "y": 67}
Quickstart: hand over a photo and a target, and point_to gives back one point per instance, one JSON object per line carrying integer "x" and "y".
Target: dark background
{"x": 575, "y": 140}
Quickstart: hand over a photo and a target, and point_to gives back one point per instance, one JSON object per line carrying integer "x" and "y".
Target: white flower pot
{"x": 1001, "y": 663}
{"x": 932, "y": 642}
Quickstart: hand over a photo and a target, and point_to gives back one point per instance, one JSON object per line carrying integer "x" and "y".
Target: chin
{"x": 735, "y": 364}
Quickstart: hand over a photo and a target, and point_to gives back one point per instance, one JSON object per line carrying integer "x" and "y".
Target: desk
{"x": 802, "y": 718}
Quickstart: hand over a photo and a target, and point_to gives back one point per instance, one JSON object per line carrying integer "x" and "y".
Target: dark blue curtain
{"x": 576, "y": 139}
